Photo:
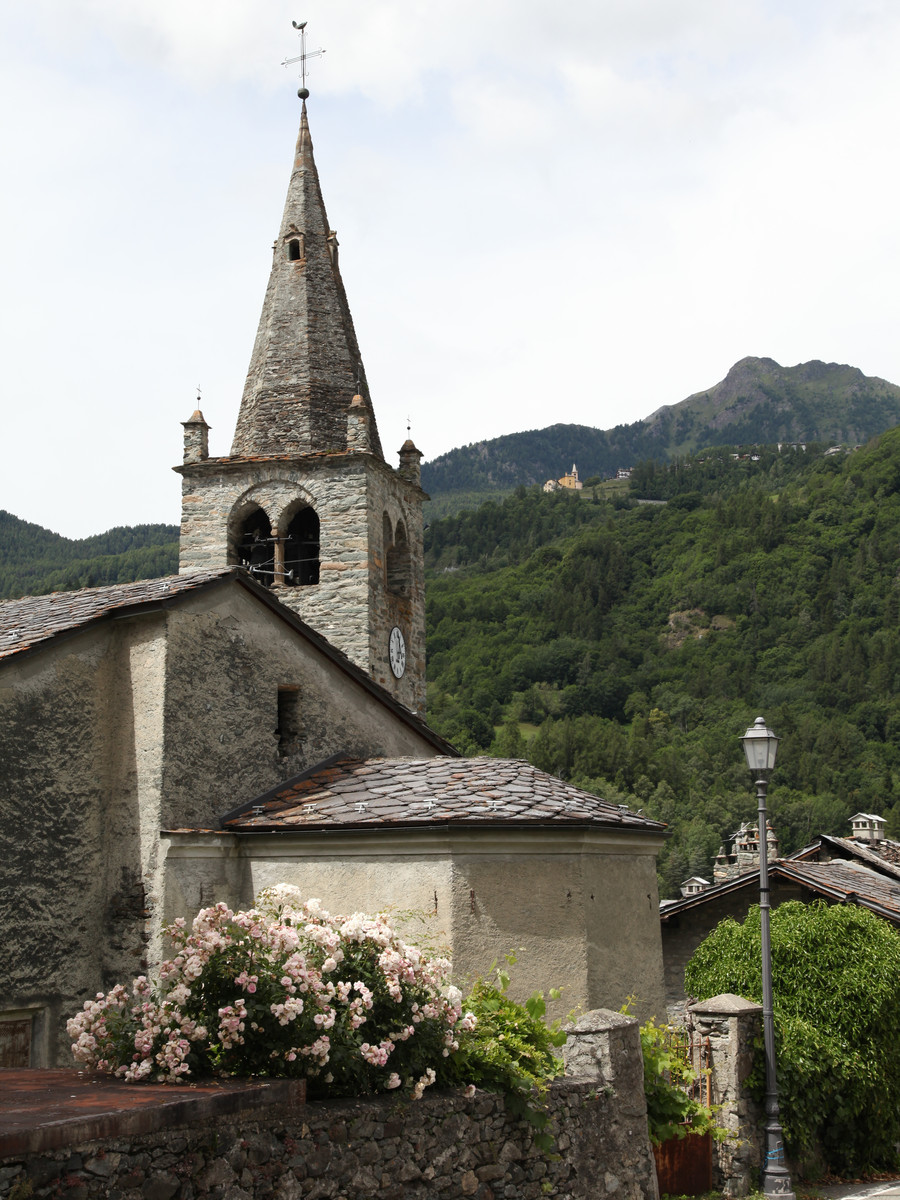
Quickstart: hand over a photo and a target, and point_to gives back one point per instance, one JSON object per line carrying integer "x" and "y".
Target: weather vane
{"x": 301, "y": 58}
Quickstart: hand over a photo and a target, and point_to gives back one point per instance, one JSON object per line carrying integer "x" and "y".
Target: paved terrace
{"x": 47, "y": 1110}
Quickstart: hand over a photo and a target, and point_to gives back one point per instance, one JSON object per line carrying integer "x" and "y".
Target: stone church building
{"x": 260, "y": 718}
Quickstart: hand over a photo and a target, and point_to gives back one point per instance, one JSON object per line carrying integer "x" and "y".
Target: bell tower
{"x": 305, "y": 501}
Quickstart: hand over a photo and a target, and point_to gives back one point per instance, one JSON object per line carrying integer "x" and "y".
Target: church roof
{"x": 31, "y": 620}
{"x": 349, "y": 793}
{"x": 29, "y": 624}
{"x": 306, "y": 366}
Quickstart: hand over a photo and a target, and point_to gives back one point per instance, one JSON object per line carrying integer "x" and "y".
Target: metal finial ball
{"x": 303, "y": 93}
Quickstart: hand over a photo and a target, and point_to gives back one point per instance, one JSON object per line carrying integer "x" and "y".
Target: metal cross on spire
{"x": 301, "y": 58}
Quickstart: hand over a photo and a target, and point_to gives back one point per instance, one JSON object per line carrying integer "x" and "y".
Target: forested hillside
{"x": 757, "y": 403}
{"x": 33, "y": 560}
{"x": 626, "y": 646}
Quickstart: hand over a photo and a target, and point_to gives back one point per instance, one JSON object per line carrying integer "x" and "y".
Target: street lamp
{"x": 760, "y": 746}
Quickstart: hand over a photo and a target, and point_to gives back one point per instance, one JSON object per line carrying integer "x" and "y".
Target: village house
{"x": 863, "y": 869}
{"x": 259, "y": 718}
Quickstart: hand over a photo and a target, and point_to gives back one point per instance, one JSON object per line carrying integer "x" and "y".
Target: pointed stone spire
{"x": 306, "y": 365}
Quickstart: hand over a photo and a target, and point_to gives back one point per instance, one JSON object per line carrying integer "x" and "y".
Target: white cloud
{"x": 574, "y": 214}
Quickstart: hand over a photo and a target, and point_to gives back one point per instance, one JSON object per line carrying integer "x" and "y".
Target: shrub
{"x": 671, "y": 1111}
{"x": 283, "y": 989}
{"x": 507, "y": 1047}
{"x": 287, "y": 989}
{"x": 836, "y": 985}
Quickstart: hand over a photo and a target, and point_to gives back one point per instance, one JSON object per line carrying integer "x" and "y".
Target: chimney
{"x": 867, "y": 827}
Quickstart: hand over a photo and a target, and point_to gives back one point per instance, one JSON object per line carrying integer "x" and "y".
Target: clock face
{"x": 397, "y": 652}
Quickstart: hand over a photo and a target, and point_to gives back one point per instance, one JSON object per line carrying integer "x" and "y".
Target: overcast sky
{"x": 573, "y": 212}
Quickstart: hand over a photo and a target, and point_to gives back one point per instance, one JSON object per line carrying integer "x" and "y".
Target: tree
{"x": 836, "y": 984}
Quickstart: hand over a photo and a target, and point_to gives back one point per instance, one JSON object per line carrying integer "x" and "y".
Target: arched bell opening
{"x": 252, "y": 545}
{"x": 398, "y": 563}
{"x": 301, "y": 549}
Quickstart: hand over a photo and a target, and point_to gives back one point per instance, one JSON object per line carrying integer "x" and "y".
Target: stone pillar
{"x": 358, "y": 432}
{"x": 732, "y": 1025}
{"x": 279, "y": 561}
{"x": 196, "y": 438}
{"x": 409, "y": 463}
{"x": 604, "y": 1048}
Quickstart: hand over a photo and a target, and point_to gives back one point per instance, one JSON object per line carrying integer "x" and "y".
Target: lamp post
{"x": 760, "y": 746}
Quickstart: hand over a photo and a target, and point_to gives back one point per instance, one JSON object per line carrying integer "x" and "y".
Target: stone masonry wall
{"x": 351, "y": 605}
{"x": 445, "y": 1145}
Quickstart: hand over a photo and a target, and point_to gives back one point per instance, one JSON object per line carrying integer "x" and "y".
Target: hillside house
{"x": 837, "y": 870}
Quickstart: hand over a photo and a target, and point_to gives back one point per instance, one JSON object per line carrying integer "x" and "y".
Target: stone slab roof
{"x": 839, "y": 881}
{"x": 849, "y": 883}
{"x": 348, "y": 793}
{"x": 31, "y": 620}
{"x": 883, "y": 856}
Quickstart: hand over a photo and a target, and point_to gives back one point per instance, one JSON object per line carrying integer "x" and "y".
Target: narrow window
{"x": 294, "y": 250}
{"x": 256, "y": 548}
{"x": 399, "y": 564}
{"x": 301, "y": 549}
{"x": 290, "y": 726}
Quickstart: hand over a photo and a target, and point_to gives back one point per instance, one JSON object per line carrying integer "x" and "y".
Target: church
{"x": 260, "y": 717}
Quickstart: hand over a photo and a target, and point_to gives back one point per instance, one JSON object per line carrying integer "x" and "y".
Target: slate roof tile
{"x": 843, "y": 882}
{"x": 33, "y": 619}
{"x": 442, "y": 790}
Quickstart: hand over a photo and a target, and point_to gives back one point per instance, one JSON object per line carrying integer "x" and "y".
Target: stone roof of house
{"x": 883, "y": 856}
{"x": 306, "y": 365}
{"x": 840, "y": 881}
{"x": 349, "y": 793}
{"x": 33, "y": 622}
{"x": 849, "y": 883}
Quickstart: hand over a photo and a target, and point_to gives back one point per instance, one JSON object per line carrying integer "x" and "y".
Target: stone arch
{"x": 298, "y": 527}
{"x": 398, "y": 562}
{"x": 250, "y": 541}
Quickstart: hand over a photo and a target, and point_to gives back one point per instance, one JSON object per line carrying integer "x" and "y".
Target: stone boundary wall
{"x": 385, "y": 1147}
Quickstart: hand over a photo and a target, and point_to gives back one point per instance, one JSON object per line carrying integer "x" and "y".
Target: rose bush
{"x": 285, "y": 989}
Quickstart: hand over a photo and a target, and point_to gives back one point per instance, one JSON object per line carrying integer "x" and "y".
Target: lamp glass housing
{"x": 760, "y": 746}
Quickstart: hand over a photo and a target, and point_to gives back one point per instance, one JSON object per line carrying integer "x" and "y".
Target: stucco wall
{"x": 226, "y": 663}
{"x": 573, "y": 904}
{"x": 76, "y": 764}
{"x": 166, "y": 718}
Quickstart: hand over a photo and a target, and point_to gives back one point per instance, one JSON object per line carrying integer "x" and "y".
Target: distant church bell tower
{"x": 305, "y": 501}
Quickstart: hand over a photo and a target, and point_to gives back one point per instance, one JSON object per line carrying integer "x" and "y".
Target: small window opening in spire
{"x": 301, "y": 549}
{"x": 290, "y": 721}
{"x": 295, "y": 250}
{"x": 254, "y": 547}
